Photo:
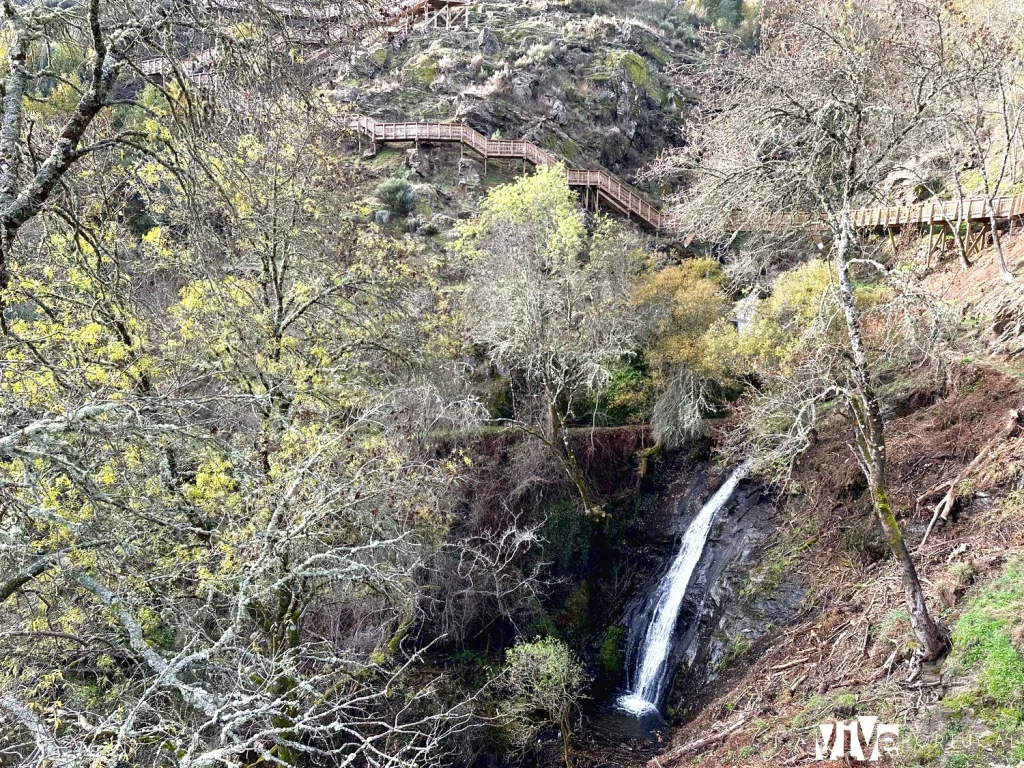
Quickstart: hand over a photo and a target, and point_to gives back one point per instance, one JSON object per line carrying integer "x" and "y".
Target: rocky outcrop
{"x": 588, "y": 88}
{"x": 718, "y": 619}
{"x": 487, "y": 42}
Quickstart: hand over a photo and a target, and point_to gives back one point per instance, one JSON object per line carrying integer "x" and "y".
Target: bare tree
{"x": 794, "y": 138}
{"x": 986, "y": 109}
{"x": 94, "y": 56}
{"x": 216, "y": 502}
{"x": 550, "y": 304}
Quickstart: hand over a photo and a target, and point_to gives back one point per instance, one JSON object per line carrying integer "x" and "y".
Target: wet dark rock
{"x": 717, "y": 620}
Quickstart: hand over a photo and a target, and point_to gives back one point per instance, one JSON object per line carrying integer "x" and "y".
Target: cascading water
{"x": 649, "y": 676}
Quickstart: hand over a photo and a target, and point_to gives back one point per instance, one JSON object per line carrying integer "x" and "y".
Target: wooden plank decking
{"x": 599, "y": 185}
{"x": 605, "y": 189}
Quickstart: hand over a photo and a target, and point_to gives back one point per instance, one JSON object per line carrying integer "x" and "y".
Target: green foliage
{"x": 689, "y": 301}
{"x": 982, "y": 636}
{"x": 929, "y": 753}
{"x": 627, "y": 398}
{"x": 397, "y": 196}
{"x": 542, "y": 199}
{"x": 543, "y": 684}
{"x": 549, "y": 302}
{"x": 209, "y": 465}
{"x": 567, "y": 536}
{"x": 775, "y": 337}
{"x": 611, "y": 658}
{"x": 577, "y": 610}
{"x": 739, "y": 645}
{"x": 729, "y": 14}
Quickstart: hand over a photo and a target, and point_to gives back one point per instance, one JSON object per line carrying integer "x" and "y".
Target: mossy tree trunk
{"x": 563, "y": 449}
{"x": 870, "y": 448}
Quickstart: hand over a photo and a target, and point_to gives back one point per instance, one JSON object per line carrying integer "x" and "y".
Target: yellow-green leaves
{"x": 692, "y": 301}
{"x": 542, "y": 202}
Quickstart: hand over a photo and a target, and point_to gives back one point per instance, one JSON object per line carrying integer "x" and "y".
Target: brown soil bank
{"x": 847, "y": 653}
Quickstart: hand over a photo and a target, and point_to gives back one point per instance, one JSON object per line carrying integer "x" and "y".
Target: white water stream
{"x": 645, "y": 693}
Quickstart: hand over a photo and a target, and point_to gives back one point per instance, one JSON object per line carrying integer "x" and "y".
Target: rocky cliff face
{"x": 722, "y": 615}
{"x": 587, "y": 87}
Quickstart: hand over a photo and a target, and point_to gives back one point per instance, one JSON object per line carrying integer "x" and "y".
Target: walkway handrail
{"x": 608, "y": 188}
{"x": 611, "y": 191}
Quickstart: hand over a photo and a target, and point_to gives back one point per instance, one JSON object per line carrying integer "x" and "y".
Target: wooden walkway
{"x": 602, "y": 188}
{"x": 599, "y": 187}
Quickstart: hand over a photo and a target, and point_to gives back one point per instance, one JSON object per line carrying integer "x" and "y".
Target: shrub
{"x": 544, "y": 683}
{"x": 397, "y": 196}
{"x": 610, "y": 658}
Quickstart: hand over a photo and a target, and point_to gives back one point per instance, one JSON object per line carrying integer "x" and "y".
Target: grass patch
{"x": 982, "y": 636}
{"x": 819, "y": 708}
{"x": 986, "y": 645}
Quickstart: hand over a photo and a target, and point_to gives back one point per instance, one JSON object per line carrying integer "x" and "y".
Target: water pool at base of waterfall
{"x": 636, "y": 705}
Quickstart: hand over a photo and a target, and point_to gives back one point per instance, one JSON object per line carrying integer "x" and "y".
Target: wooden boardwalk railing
{"x": 602, "y": 187}
{"x": 952, "y": 212}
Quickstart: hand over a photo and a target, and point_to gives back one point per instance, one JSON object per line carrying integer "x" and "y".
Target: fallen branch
{"x": 789, "y": 664}
{"x": 945, "y": 505}
{"x": 794, "y": 686}
{"x": 693, "y": 747}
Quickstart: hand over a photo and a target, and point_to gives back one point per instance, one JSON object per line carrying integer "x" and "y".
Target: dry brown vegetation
{"x": 848, "y": 652}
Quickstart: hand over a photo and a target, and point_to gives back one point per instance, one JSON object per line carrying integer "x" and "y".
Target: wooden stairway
{"x": 602, "y": 188}
{"x": 599, "y": 186}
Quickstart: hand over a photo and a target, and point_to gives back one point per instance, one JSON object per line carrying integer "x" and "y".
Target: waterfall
{"x": 645, "y": 693}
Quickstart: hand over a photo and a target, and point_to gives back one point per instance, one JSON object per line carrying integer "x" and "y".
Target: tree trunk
{"x": 564, "y": 728}
{"x": 871, "y": 451}
{"x": 560, "y": 444}
{"x": 997, "y": 241}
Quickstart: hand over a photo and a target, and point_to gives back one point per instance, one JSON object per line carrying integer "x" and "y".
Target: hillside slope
{"x": 847, "y": 653}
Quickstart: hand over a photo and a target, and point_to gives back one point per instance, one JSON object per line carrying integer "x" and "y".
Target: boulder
{"x": 557, "y": 111}
{"x": 522, "y": 86}
{"x": 418, "y": 162}
{"x": 442, "y": 221}
{"x": 476, "y": 113}
{"x": 488, "y": 42}
{"x": 470, "y": 173}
